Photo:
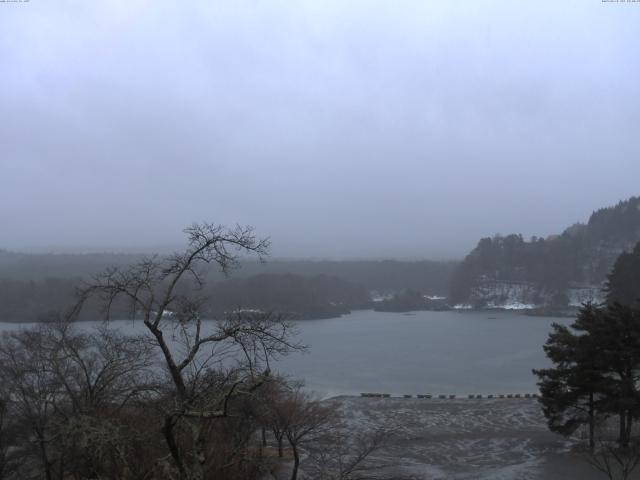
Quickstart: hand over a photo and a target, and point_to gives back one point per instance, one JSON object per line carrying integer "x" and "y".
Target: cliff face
{"x": 561, "y": 270}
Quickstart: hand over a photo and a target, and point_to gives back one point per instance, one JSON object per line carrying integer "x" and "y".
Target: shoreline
{"x": 465, "y": 438}
{"x": 568, "y": 312}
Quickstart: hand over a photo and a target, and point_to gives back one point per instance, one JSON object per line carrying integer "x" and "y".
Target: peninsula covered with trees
{"x": 557, "y": 270}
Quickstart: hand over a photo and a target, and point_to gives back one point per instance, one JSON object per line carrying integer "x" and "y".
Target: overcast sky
{"x": 339, "y": 128}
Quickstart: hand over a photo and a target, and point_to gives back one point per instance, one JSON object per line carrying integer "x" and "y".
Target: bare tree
{"x": 615, "y": 461}
{"x": 208, "y": 364}
{"x": 101, "y": 375}
{"x": 98, "y": 369}
{"x": 343, "y": 455}
{"x": 4, "y": 447}
{"x": 33, "y": 394}
{"x": 61, "y": 387}
{"x": 307, "y": 418}
{"x": 274, "y": 410}
{"x": 9, "y": 460}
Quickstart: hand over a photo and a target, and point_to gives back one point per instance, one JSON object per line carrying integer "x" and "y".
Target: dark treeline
{"x": 46, "y": 300}
{"x": 38, "y": 266}
{"x": 623, "y": 283}
{"x": 296, "y": 296}
{"x": 35, "y": 287}
{"x": 31, "y": 301}
{"x": 582, "y": 255}
{"x": 300, "y": 297}
{"x": 410, "y": 300}
{"x": 426, "y": 276}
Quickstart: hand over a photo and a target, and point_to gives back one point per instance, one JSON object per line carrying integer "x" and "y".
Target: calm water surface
{"x": 421, "y": 352}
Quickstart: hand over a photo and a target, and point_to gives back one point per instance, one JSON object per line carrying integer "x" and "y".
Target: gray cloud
{"x": 338, "y": 128}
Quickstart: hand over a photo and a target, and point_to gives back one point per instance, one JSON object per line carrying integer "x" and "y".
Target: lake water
{"x": 422, "y": 352}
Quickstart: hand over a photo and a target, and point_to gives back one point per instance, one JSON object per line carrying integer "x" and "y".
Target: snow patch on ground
{"x": 512, "y": 306}
{"x": 526, "y": 296}
{"x": 579, "y": 295}
{"x": 509, "y": 295}
{"x": 464, "y": 439}
{"x": 463, "y": 306}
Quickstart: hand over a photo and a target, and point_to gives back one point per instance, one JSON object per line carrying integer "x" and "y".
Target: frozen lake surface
{"x": 422, "y": 352}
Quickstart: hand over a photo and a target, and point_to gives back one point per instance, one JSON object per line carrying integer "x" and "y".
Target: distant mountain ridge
{"x": 559, "y": 270}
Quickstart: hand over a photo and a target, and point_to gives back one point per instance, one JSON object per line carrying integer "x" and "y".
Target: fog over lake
{"x": 422, "y": 352}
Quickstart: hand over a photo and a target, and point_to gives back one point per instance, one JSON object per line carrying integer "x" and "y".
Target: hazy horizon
{"x": 339, "y": 129}
{"x": 168, "y": 248}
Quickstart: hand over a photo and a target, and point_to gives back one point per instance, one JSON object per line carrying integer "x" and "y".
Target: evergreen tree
{"x": 617, "y": 336}
{"x": 623, "y": 285}
{"x": 570, "y": 390}
{"x": 596, "y": 371}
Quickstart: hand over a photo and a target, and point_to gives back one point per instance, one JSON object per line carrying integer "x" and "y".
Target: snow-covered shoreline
{"x": 465, "y": 438}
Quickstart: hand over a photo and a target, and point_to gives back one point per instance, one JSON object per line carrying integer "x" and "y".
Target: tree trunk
{"x": 264, "y": 437}
{"x": 296, "y": 462}
{"x": 199, "y": 457}
{"x": 280, "y": 449}
{"x": 623, "y": 440}
{"x": 592, "y": 421}
{"x": 167, "y": 431}
{"x": 61, "y": 467}
{"x": 45, "y": 459}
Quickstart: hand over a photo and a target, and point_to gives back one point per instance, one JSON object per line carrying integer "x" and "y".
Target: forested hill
{"x": 556, "y": 270}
